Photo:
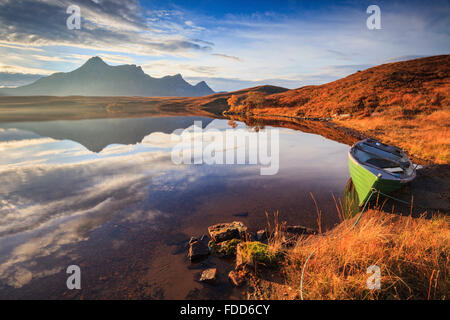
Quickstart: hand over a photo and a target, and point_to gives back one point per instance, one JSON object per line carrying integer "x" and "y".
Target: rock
{"x": 209, "y": 276}
{"x": 241, "y": 214}
{"x": 198, "y": 250}
{"x": 251, "y": 236}
{"x": 227, "y": 231}
{"x": 261, "y": 235}
{"x": 236, "y": 278}
{"x": 239, "y": 257}
{"x": 224, "y": 248}
{"x": 300, "y": 230}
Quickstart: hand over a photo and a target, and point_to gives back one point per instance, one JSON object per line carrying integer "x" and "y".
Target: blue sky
{"x": 229, "y": 44}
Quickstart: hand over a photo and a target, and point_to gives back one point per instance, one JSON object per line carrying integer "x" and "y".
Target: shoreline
{"x": 295, "y": 263}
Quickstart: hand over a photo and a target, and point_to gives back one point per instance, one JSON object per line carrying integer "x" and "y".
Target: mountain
{"x": 96, "y": 78}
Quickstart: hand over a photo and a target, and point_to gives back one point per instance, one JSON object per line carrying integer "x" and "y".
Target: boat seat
{"x": 381, "y": 163}
{"x": 394, "y": 170}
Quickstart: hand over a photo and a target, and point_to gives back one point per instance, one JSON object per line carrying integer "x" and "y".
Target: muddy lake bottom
{"x": 106, "y": 196}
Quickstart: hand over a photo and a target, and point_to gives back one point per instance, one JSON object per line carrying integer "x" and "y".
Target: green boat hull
{"x": 364, "y": 181}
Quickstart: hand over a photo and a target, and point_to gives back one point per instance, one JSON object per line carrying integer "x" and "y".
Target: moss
{"x": 229, "y": 247}
{"x": 225, "y": 248}
{"x": 255, "y": 252}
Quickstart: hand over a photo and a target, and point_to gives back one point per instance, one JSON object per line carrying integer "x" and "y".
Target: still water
{"x": 105, "y": 195}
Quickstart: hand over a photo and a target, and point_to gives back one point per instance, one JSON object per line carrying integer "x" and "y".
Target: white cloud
{"x": 295, "y": 47}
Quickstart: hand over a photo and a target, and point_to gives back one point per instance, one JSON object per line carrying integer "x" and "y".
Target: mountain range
{"x": 97, "y": 78}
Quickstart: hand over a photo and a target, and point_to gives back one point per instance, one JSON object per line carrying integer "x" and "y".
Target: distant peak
{"x": 203, "y": 85}
{"x": 95, "y": 61}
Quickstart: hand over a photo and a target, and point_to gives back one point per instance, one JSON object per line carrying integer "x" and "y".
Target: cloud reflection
{"x": 54, "y": 193}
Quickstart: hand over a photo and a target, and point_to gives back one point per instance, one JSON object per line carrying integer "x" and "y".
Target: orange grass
{"x": 426, "y": 136}
{"x": 404, "y": 103}
{"x": 412, "y": 254}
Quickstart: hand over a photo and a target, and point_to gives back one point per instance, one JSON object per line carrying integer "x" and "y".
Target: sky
{"x": 229, "y": 44}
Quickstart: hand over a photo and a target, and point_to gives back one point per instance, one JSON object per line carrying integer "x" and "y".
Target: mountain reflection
{"x": 96, "y": 134}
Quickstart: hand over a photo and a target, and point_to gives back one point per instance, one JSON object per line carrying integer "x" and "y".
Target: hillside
{"x": 96, "y": 78}
{"x": 411, "y": 87}
{"x": 406, "y": 103}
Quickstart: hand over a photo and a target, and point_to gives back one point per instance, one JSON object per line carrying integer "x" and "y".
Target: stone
{"x": 198, "y": 250}
{"x": 261, "y": 235}
{"x": 227, "y": 231}
{"x": 251, "y": 236}
{"x": 300, "y": 230}
{"x": 225, "y": 248}
{"x": 236, "y": 278}
{"x": 209, "y": 276}
{"x": 241, "y": 214}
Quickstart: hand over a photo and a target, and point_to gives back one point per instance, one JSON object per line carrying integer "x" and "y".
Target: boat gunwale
{"x": 407, "y": 179}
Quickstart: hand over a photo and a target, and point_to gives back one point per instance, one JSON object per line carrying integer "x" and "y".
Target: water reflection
{"x": 350, "y": 200}
{"x": 60, "y": 202}
{"x": 96, "y": 134}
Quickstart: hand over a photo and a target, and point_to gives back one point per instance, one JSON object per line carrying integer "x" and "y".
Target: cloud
{"x": 20, "y": 47}
{"x": 106, "y": 25}
{"x": 322, "y": 75}
{"x": 226, "y": 56}
{"x": 24, "y": 70}
{"x": 233, "y": 84}
{"x": 403, "y": 58}
{"x": 208, "y": 43}
{"x": 165, "y": 66}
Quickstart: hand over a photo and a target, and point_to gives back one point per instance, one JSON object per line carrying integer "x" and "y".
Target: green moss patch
{"x": 256, "y": 253}
{"x": 224, "y": 249}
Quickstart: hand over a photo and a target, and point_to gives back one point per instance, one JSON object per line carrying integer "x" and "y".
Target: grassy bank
{"x": 412, "y": 254}
{"x": 425, "y": 136}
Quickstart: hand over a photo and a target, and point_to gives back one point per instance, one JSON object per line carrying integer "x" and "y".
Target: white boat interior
{"x": 386, "y": 158}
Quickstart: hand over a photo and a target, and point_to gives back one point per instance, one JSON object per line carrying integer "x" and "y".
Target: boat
{"x": 378, "y": 167}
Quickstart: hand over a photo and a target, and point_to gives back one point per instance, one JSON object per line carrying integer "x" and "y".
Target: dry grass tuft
{"x": 412, "y": 254}
{"x": 426, "y": 136}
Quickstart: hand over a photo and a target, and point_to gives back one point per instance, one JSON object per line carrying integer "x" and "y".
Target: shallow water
{"x": 105, "y": 195}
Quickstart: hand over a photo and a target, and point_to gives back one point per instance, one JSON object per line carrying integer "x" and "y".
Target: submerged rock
{"x": 241, "y": 214}
{"x": 209, "y": 276}
{"x": 198, "y": 249}
{"x": 237, "y": 278}
{"x": 300, "y": 230}
{"x": 227, "y": 231}
{"x": 251, "y": 236}
{"x": 261, "y": 235}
